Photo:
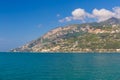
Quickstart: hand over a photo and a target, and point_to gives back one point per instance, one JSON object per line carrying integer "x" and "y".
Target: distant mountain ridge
{"x": 88, "y": 37}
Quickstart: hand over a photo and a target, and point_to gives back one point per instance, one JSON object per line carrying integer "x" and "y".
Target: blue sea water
{"x": 28, "y": 66}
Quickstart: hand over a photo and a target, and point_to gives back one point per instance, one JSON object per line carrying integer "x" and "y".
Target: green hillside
{"x": 88, "y": 37}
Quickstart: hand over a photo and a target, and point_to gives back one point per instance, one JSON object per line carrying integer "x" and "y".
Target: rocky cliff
{"x": 88, "y": 37}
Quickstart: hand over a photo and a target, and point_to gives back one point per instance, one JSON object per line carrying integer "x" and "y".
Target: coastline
{"x": 73, "y": 52}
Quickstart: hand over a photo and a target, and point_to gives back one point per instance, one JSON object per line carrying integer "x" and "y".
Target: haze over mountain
{"x": 101, "y": 36}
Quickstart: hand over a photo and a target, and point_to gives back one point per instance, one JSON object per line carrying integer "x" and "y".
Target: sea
{"x": 59, "y": 66}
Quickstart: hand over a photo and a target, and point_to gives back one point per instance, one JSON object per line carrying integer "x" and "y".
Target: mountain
{"x": 88, "y": 37}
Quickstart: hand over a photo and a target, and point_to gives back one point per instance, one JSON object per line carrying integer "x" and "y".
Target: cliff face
{"x": 88, "y": 37}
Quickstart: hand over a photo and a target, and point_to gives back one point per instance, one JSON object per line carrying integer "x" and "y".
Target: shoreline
{"x": 65, "y": 52}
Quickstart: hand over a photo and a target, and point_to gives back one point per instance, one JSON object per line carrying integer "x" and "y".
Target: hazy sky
{"x": 24, "y": 20}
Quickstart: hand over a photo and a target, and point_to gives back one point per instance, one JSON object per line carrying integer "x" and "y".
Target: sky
{"x": 22, "y": 21}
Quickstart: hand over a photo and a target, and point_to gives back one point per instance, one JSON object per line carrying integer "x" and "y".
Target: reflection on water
{"x": 59, "y": 66}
